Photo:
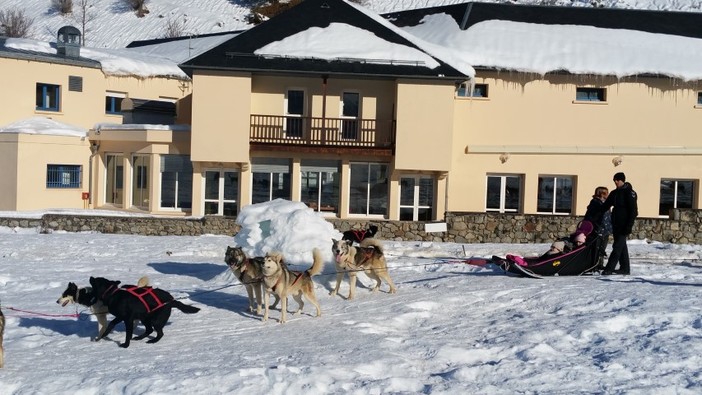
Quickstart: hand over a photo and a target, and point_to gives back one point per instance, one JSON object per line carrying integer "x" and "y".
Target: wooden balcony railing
{"x": 322, "y": 132}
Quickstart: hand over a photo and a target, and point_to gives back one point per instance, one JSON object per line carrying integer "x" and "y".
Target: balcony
{"x": 323, "y": 135}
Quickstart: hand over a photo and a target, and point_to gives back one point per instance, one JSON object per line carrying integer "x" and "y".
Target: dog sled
{"x": 583, "y": 259}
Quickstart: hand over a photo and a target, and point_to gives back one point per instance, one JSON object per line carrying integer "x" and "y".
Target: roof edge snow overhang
{"x": 569, "y": 73}
{"x": 50, "y": 59}
{"x": 315, "y": 73}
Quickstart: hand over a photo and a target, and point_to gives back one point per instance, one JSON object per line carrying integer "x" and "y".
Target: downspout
{"x": 324, "y": 108}
{"x": 94, "y": 150}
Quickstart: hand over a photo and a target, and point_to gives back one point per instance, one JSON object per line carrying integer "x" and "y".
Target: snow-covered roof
{"x": 181, "y": 49}
{"x": 541, "y": 48}
{"x": 331, "y": 37}
{"x": 43, "y": 126}
{"x": 113, "y": 62}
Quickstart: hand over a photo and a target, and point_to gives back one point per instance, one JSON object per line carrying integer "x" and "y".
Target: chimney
{"x": 68, "y": 42}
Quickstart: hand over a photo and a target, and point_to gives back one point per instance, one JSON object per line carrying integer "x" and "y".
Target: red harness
{"x": 360, "y": 234}
{"x": 142, "y": 293}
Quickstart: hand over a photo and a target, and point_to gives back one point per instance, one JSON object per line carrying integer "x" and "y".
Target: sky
{"x": 451, "y": 328}
{"x": 500, "y": 44}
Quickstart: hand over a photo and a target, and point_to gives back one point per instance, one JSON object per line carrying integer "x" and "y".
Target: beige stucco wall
{"x": 221, "y": 111}
{"x": 651, "y": 123}
{"x": 424, "y": 125}
{"x": 269, "y": 92}
{"x": 8, "y": 164}
{"x": 83, "y": 109}
{"x": 34, "y": 153}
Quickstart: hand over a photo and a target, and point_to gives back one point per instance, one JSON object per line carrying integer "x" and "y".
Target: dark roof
{"x": 142, "y": 43}
{"x": 687, "y": 24}
{"x": 13, "y": 53}
{"x": 238, "y": 53}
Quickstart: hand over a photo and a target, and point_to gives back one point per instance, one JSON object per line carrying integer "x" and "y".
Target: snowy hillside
{"x": 113, "y": 25}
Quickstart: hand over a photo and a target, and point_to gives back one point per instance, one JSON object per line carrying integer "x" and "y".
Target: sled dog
{"x": 248, "y": 271}
{"x": 359, "y": 235}
{"x": 128, "y": 303}
{"x": 368, "y": 257}
{"x": 283, "y": 282}
{"x": 84, "y": 296}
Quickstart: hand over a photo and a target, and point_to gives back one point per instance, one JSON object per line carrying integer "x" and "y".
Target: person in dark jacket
{"x": 601, "y": 220}
{"x": 623, "y": 202}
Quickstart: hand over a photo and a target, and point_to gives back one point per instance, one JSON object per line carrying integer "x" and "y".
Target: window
{"x": 271, "y": 179}
{"x": 504, "y": 193}
{"x": 368, "y": 189}
{"x": 113, "y": 102}
{"x": 48, "y": 97}
{"x": 221, "y": 192}
{"x": 140, "y": 181}
{"x": 699, "y": 98}
{"x": 591, "y": 94}
{"x": 63, "y": 176}
{"x": 350, "y": 109}
{"x": 320, "y": 185}
{"x": 176, "y": 182}
{"x": 416, "y": 198}
{"x": 676, "y": 194}
{"x": 555, "y": 195}
{"x": 479, "y": 90}
{"x": 114, "y": 180}
{"x": 294, "y": 110}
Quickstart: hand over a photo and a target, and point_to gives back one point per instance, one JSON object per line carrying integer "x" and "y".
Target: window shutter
{"x": 75, "y": 84}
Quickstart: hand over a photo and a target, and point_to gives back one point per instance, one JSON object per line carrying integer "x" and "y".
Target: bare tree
{"x": 84, "y": 14}
{"x": 174, "y": 28}
{"x": 15, "y": 23}
{"x": 139, "y": 6}
{"x": 63, "y": 6}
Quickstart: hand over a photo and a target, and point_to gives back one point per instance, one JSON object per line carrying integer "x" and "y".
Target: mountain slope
{"x": 114, "y": 25}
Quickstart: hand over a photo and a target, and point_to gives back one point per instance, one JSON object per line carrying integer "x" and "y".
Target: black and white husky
{"x": 85, "y": 296}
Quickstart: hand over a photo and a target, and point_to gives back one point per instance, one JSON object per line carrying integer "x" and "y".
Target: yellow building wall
{"x": 35, "y": 152}
{"x": 8, "y": 164}
{"x": 651, "y": 124}
{"x": 221, "y": 108}
{"x": 85, "y": 108}
{"x": 424, "y": 125}
{"x": 377, "y": 96}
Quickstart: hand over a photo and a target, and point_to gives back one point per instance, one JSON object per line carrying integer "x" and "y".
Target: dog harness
{"x": 297, "y": 277}
{"x": 142, "y": 293}
{"x": 360, "y": 234}
{"x": 243, "y": 267}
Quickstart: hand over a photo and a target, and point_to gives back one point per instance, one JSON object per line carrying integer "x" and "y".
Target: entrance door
{"x": 114, "y": 180}
{"x": 416, "y": 198}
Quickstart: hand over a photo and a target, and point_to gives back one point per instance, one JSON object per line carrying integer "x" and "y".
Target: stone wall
{"x": 683, "y": 227}
{"x": 147, "y": 226}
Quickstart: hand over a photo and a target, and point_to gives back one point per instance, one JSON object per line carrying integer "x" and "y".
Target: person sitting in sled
{"x": 566, "y": 244}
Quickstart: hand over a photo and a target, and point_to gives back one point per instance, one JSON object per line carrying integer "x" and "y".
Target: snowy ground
{"x": 452, "y": 328}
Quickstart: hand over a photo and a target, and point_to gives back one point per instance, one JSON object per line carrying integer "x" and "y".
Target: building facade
{"x": 407, "y": 132}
